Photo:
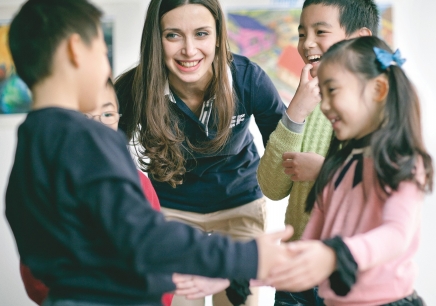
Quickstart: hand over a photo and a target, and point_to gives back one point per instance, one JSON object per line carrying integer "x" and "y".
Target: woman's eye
{"x": 171, "y": 35}
{"x": 107, "y": 115}
{"x": 301, "y": 35}
{"x": 202, "y": 34}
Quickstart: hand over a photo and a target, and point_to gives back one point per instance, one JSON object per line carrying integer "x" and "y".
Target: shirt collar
{"x": 167, "y": 91}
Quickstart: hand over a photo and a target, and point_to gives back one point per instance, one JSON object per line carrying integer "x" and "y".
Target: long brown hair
{"x": 150, "y": 119}
{"x": 397, "y": 145}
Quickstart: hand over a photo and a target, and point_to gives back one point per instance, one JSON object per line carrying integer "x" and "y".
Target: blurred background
{"x": 269, "y": 29}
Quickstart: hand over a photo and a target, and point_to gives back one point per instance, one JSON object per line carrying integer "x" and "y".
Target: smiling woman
{"x": 187, "y": 107}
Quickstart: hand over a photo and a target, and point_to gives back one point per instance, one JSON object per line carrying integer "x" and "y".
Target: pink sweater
{"x": 381, "y": 232}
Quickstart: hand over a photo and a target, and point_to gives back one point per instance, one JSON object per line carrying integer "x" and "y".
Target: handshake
{"x": 293, "y": 266}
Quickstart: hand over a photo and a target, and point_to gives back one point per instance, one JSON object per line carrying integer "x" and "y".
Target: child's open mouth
{"x": 314, "y": 58}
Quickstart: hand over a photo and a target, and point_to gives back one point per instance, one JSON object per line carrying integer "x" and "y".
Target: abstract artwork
{"x": 15, "y": 97}
{"x": 269, "y": 37}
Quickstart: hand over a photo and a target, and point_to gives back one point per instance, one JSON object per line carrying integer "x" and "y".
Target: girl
{"x": 366, "y": 201}
{"x": 187, "y": 107}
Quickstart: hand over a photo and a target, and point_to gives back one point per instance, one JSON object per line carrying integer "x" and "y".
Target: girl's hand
{"x": 195, "y": 287}
{"x": 306, "y": 97}
{"x": 302, "y": 166}
{"x": 313, "y": 263}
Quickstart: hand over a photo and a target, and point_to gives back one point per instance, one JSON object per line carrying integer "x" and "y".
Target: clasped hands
{"x": 294, "y": 266}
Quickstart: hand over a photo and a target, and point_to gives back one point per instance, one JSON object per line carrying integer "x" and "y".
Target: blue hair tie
{"x": 387, "y": 59}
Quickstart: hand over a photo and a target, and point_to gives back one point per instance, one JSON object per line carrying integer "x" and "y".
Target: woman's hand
{"x": 195, "y": 287}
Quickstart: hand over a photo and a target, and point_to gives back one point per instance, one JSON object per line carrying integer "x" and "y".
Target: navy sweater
{"x": 83, "y": 226}
{"x": 225, "y": 179}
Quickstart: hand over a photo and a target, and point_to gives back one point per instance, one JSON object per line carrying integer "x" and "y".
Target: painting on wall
{"x": 15, "y": 97}
{"x": 269, "y": 37}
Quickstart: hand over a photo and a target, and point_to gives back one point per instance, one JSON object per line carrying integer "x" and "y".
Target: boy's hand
{"x": 302, "y": 166}
{"x": 306, "y": 97}
{"x": 271, "y": 252}
{"x": 313, "y": 263}
{"x": 195, "y": 287}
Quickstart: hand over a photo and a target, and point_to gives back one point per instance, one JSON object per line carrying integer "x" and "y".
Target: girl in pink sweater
{"x": 365, "y": 206}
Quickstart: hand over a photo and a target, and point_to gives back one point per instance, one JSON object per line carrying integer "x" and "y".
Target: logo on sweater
{"x": 237, "y": 120}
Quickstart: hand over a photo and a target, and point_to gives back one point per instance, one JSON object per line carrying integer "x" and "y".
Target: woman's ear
{"x": 381, "y": 88}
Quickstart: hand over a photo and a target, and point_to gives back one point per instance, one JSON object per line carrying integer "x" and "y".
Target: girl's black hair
{"x": 397, "y": 145}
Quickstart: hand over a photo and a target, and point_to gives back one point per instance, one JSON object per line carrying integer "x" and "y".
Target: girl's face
{"x": 189, "y": 41}
{"x": 350, "y": 104}
{"x": 106, "y": 110}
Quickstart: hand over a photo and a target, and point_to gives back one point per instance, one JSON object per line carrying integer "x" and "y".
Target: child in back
{"x": 89, "y": 233}
{"x": 296, "y": 149}
{"x": 364, "y": 226}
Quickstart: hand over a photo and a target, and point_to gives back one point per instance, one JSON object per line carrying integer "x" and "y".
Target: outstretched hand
{"x": 306, "y": 97}
{"x": 271, "y": 252}
{"x": 313, "y": 263}
{"x": 302, "y": 166}
{"x": 195, "y": 287}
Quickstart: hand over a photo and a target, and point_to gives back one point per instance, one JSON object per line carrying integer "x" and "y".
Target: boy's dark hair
{"x": 40, "y": 26}
{"x": 353, "y": 15}
{"x": 397, "y": 145}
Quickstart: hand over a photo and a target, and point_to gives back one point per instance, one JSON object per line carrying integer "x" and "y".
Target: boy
{"x": 74, "y": 201}
{"x": 296, "y": 149}
{"x": 105, "y": 112}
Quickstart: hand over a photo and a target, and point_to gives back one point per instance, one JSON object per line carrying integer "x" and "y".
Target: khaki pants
{"x": 242, "y": 223}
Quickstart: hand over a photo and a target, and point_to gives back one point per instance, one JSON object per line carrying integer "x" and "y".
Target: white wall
{"x": 414, "y": 21}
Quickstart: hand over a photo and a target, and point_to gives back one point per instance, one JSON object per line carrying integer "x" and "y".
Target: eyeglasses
{"x": 106, "y": 118}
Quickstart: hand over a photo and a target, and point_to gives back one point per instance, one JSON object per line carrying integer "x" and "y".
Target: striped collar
{"x": 206, "y": 109}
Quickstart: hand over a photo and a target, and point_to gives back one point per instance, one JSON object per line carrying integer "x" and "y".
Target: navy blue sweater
{"x": 225, "y": 179}
{"x": 83, "y": 226}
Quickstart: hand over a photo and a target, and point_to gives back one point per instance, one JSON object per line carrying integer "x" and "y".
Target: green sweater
{"x": 275, "y": 184}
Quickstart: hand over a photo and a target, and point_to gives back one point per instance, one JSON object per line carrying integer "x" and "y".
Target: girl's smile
{"x": 350, "y": 106}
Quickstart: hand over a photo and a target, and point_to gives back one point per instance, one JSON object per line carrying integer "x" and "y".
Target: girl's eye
{"x": 202, "y": 34}
{"x": 107, "y": 115}
{"x": 301, "y": 35}
{"x": 331, "y": 89}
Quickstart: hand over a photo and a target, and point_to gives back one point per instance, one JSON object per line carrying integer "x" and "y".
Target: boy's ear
{"x": 364, "y": 32}
{"x": 381, "y": 88}
{"x": 361, "y": 32}
{"x": 74, "y": 47}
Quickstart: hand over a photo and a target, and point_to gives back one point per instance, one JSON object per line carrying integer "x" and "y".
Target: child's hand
{"x": 271, "y": 253}
{"x": 195, "y": 287}
{"x": 306, "y": 97}
{"x": 302, "y": 166}
{"x": 313, "y": 263}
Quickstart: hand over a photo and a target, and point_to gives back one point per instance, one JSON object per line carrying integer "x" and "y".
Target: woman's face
{"x": 189, "y": 40}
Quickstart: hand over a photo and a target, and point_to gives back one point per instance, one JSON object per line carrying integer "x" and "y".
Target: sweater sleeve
{"x": 391, "y": 239}
{"x": 136, "y": 231}
{"x": 273, "y": 181}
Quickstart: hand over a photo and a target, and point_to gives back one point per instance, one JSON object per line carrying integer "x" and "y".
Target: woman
{"x": 187, "y": 107}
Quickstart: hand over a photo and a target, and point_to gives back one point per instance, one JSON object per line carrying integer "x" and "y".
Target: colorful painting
{"x": 15, "y": 97}
{"x": 269, "y": 37}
